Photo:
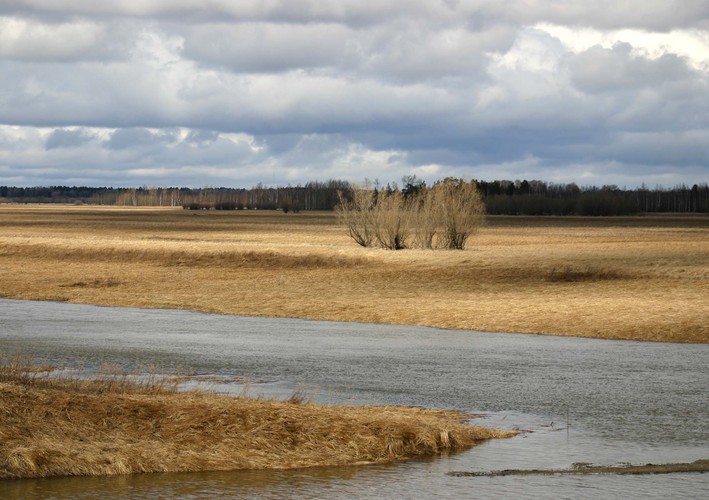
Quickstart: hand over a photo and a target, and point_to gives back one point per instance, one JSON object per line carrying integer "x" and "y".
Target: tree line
{"x": 311, "y": 196}
{"x": 501, "y": 197}
{"x": 541, "y": 198}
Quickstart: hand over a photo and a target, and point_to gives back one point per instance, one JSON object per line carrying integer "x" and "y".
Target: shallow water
{"x": 585, "y": 400}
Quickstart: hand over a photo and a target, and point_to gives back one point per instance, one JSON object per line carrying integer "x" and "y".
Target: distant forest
{"x": 501, "y": 197}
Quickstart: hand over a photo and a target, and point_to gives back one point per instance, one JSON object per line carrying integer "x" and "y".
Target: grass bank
{"x": 54, "y": 427}
{"x": 639, "y": 278}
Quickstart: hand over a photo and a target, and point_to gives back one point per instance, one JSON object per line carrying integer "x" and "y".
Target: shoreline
{"x": 198, "y": 311}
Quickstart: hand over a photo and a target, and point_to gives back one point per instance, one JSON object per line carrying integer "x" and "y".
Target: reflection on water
{"x": 584, "y": 400}
{"x": 371, "y": 483}
{"x": 417, "y": 479}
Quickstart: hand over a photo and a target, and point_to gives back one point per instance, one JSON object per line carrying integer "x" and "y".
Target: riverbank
{"x": 634, "y": 278}
{"x": 53, "y": 427}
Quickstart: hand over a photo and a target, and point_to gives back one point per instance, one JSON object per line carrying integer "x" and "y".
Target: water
{"x": 584, "y": 400}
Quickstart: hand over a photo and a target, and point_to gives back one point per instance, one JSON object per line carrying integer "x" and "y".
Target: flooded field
{"x": 577, "y": 400}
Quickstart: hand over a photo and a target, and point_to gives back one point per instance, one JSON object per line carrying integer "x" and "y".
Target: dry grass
{"x": 644, "y": 278}
{"x": 587, "y": 273}
{"x": 57, "y": 427}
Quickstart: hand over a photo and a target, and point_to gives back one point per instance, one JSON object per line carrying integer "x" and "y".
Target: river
{"x": 578, "y": 400}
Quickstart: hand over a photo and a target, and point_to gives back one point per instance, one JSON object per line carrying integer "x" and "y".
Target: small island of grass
{"x": 51, "y": 426}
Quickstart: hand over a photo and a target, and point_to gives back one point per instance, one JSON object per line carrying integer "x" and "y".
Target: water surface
{"x": 584, "y": 400}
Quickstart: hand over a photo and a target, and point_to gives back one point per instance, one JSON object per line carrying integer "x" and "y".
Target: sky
{"x": 208, "y": 93}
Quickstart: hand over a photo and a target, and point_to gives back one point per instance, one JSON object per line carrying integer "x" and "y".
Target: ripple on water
{"x": 624, "y": 401}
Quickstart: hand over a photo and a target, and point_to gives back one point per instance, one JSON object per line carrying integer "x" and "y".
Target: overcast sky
{"x": 235, "y": 92}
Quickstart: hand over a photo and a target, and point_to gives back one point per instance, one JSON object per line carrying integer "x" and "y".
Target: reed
{"x": 53, "y": 426}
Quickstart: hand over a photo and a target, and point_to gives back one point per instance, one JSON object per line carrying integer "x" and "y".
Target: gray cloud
{"x": 128, "y": 138}
{"x": 61, "y": 138}
{"x": 267, "y": 47}
{"x": 600, "y": 70}
{"x": 653, "y": 15}
{"x": 202, "y": 138}
{"x": 230, "y": 93}
{"x": 661, "y": 15}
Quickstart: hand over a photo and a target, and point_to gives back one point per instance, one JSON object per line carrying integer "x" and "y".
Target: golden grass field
{"x": 642, "y": 278}
{"x": 55, "y": 427}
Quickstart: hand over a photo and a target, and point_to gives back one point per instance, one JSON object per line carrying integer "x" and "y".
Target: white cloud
{"x": 690, "y": 44}
{"x": 23, "y": 39}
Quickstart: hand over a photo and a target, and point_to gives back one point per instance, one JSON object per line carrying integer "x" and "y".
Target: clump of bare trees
{"x": 441, "y": 216}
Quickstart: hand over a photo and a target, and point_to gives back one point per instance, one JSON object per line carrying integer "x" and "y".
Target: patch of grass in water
{"x": 584, "y": 468}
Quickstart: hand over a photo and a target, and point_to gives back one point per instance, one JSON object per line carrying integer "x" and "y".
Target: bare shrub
{"x": 372, "y": 217}
{"x": 459, "y": 211}
{"x": 422, "y": 214}
{"x": 391, "y": 221}
{"x": 447, "y": 214}
{"x": 356, "y": 214}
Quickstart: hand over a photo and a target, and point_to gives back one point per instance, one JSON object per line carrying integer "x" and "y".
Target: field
{"x": 641, "y": 278}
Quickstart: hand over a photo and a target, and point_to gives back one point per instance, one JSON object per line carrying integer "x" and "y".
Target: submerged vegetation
{"x": 53, "y": 426}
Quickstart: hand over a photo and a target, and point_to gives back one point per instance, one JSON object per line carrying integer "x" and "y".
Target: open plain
{"x": 641, "y": 278}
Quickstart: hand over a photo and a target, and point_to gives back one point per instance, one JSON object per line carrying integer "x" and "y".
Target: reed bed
{"x": 52, "y": 426}
{"x": 639, "y": 278}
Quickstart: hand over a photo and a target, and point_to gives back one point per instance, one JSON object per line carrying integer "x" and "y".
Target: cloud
{"x": 201, "y": 138}
{"x": 418, "y": 53}
{"x": 679, "y": 148}
{"x": 409, "y": 51}
{"x": 232, "y": 93}
{"x": 690, "y": 44}
{"x": 657, "y": 15}
{"x": 23, "y": 39}
{"x": 267, "y": 47}
{"x": 652, "y": 15}
{"x": 126, "y": 138}
{"x": 63, "y": 138}
{"x": 125, "y": 157}
{"x": 601, "y": 70}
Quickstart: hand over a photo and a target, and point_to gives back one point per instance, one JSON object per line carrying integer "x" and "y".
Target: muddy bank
{"x": 582, "y": 468}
